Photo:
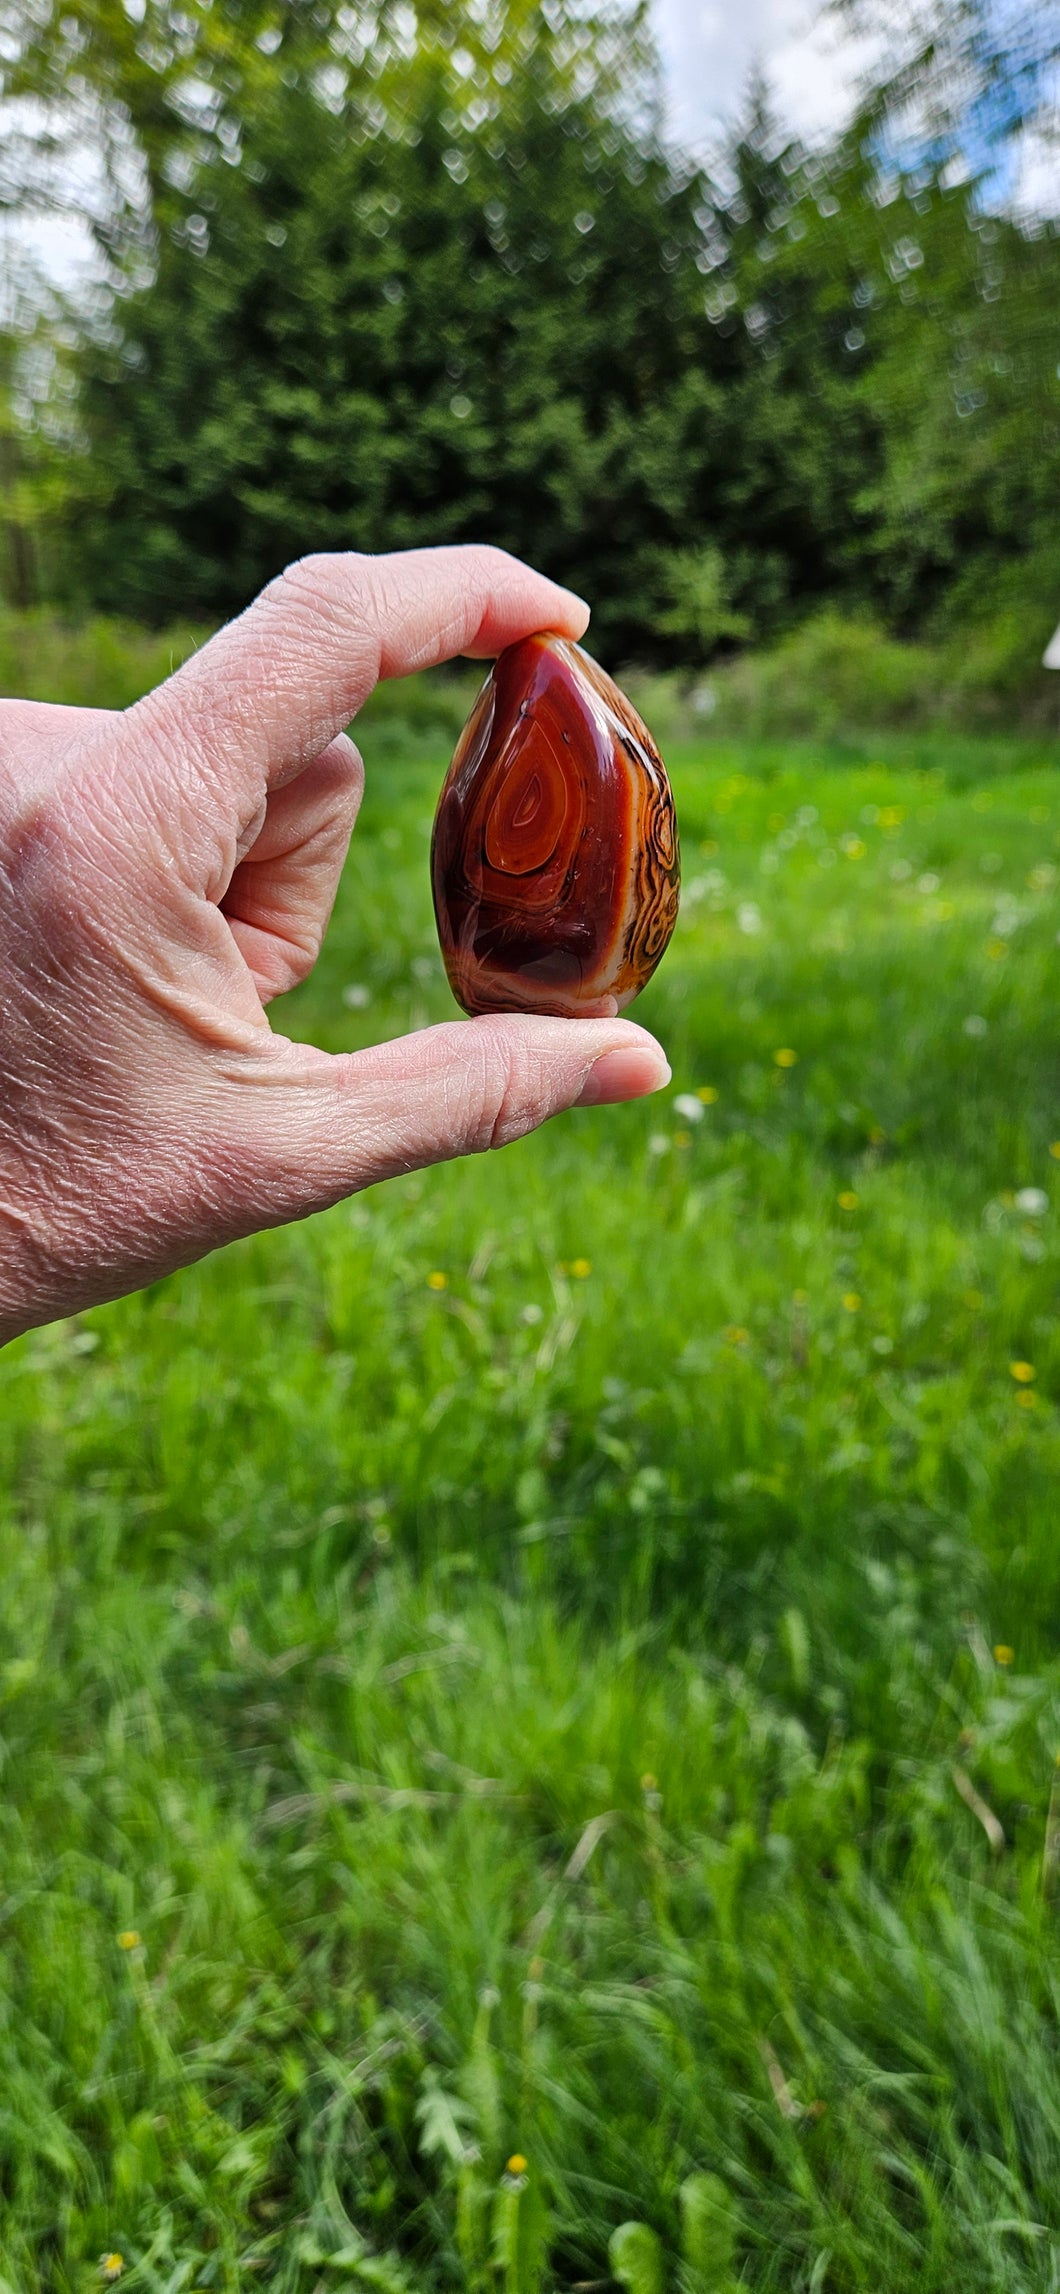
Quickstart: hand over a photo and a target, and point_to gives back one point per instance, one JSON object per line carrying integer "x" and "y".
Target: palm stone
{"x": 554, "y": 861}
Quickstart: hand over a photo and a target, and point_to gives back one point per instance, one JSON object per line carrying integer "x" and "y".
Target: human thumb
{"x": 329, "y": 1125}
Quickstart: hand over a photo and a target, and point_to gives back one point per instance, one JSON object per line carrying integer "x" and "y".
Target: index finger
{"x": 270, "y": 691}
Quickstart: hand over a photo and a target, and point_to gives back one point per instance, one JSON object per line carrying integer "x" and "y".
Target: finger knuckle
{"x": 339, "y": 592}
{"x": 492, "y": 558}
{"x": 501, "y": 1105}
{"x": 308, "y": 582}
{"x": 341, "y": 770}
{"x": 35, "y": 832}
{"x": 48, "y": 837}
{"x": 492, "y": 570}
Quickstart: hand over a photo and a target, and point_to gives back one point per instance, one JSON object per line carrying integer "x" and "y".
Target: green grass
{"x": 570, "y": 1712}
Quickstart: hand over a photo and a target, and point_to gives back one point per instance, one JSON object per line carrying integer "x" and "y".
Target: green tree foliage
{"x": 16, "y": 548}
{"x": 917, "y": 338}
{"x": 359, "y": 340}
{"x": 377, "y": 286}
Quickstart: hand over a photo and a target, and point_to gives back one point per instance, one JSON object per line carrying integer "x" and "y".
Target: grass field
{"x": 557, "y": 1661}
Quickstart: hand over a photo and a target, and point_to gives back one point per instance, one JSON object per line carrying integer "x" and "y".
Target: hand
{"x": 164, "y": 872}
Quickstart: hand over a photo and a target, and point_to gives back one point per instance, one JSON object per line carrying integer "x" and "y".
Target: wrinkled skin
{"x": 166, "y": 871}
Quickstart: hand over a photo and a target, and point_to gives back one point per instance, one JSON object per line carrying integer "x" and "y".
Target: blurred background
{"x": 530, "y": 1705}
{"x": 735, "y": 321}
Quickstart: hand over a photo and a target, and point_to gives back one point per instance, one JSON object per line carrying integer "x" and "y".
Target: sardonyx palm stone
{"x": 554, "y": 860}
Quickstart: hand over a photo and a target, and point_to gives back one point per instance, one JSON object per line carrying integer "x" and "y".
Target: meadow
{"x": 530, "y": 1705}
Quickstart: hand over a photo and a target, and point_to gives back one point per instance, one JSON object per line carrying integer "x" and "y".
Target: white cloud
{"x": 59, "y": 247}
{"x": 60, "y": 161}
{"x": 1036, "y": 190}
{"x": 709, "y": 50}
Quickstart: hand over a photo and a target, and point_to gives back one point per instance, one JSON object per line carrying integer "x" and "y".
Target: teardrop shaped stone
{"x": 554, "y": 861}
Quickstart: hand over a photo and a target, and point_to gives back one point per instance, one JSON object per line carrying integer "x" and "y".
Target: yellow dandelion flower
{"x": 785, "y": 1057}
{"x": 892, "y": 815}
{"x": 852, "y": 1301}
{"x": 649, "y": 1781}
{"x": 735, "y": 1334}
{"x": 1003, "y": 1655}
{"x": 517, "y": 2164}
{"x": 848, "y": 1201}
{"x": 111, "y": 2267}
{"x": 1023, "y": 1372}
{"x": 996, "y": 949}
{"x": 129, "y": 1938}
{"x": 580, "y": 1268}
{"x": 437, "y": 1280}
{"x": 682, "y": 1139}
{"x": 1055, "y": 1150}
{"x": 708, "y": 1094}
{"x": 1027, "y": 1398}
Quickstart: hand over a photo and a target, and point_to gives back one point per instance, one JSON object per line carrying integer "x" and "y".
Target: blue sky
{"x": 709, "y": 47}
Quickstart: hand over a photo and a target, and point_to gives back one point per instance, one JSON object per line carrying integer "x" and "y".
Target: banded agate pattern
{"x": 554, "y": 862}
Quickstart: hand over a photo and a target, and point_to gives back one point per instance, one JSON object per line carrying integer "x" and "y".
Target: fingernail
{"x": 583, "y": 608}
{"x": 620, "y": 1075}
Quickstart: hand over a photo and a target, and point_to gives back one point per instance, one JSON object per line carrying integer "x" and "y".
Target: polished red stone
{"x": 554, "y": 861}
